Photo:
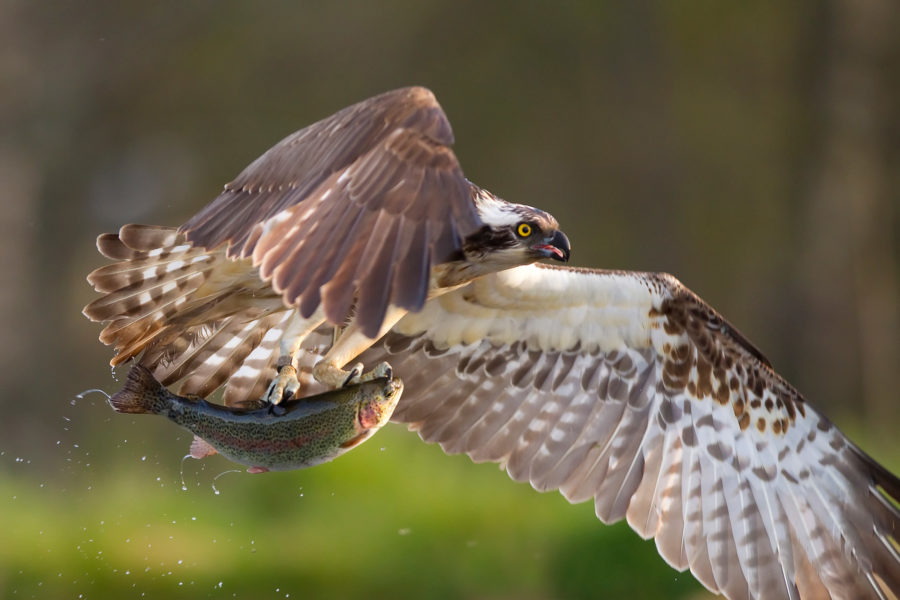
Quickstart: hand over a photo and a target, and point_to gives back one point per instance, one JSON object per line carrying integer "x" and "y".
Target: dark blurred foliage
{"x": 751, "y": 149}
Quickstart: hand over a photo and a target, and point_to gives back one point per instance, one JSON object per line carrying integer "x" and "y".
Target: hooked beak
{"x": 556, "y": 247}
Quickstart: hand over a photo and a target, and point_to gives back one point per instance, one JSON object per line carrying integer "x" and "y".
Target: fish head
{"x": 379, "y": 403}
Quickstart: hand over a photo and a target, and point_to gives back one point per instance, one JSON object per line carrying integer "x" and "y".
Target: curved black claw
{"x": 283, "y": 386}
{"x": 277, "y": 410}
{"x": 382, "y": 370}
{"x": 354, "y": 373}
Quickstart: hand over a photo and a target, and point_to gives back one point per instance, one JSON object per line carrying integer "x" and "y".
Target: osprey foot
{"x": 334, "y": 378}
{"x": 353, "y": 374}
{"x": 381, "y": 371}
{"x": 284, "y": 386}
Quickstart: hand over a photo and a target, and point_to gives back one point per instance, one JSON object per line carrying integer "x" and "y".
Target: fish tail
{"x": 142, "y": 393}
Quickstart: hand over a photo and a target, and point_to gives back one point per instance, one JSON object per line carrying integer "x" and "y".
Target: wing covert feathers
{"x": 627, "y": 389}
{"x": 333, "y": 214}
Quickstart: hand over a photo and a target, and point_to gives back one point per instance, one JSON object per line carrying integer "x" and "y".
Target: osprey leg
{"x": 349, "y": 345}
{"x": 285, "y": 384}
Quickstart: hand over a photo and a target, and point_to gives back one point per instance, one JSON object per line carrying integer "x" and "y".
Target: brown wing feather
{"x": 385, "y": 161}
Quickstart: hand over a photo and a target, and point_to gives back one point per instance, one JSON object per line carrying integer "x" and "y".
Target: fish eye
{"x": 523, "y": 229}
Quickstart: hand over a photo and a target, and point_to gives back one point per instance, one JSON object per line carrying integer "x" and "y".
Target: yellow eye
{"x": 524, "y": 229}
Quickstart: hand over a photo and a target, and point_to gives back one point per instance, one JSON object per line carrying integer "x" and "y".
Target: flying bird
{"x": 355, "y": 220}
{"x": 359, "y": 237}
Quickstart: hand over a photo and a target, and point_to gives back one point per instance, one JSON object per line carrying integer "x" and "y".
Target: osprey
{"x": 621, "y": 387}
{"x": 355, "y": 220}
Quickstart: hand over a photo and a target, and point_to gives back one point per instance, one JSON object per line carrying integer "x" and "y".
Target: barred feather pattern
{"x": 238, "y": 355}
{"x": 628, "y": 390}
{"x": 193, "y": 316}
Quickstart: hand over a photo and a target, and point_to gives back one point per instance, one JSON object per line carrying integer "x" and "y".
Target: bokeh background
{"x": 751, "y": 149}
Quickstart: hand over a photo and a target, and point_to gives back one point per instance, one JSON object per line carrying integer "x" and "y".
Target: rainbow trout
{"x": 295, "y": 434}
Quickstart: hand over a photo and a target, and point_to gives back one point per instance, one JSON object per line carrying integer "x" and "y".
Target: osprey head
{"x": 514, "y": 234}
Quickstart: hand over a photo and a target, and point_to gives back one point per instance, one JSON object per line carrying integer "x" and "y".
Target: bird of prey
{"x": 355, "y": 220}
{"x": 623, "y": 388}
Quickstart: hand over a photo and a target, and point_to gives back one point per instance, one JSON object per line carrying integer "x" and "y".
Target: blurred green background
{"x": 750, "y": 149}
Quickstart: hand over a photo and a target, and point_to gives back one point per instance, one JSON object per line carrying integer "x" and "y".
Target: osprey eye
{"x": 524, "y": 229}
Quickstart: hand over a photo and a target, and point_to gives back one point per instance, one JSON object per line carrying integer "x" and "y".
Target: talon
{"x": 353, "y": 374}
{"x": 283, "y": 386}
{"x": 383, "y": 370}
{"x": 333, "y": 377}
{"x": 276, "y": 410}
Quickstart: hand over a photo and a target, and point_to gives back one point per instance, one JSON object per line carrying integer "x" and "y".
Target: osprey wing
{"x": 627, "y": 389}
{"x": 352, "y": 210}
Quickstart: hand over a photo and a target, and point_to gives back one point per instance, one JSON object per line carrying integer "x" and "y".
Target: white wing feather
{"x": 627, "y": 389}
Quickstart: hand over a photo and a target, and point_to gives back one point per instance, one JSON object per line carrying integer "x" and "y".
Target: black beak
{"x": 556, "y": 247}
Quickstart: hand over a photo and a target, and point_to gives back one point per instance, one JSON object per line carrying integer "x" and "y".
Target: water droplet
{"x": 215, "y": 489}
{"x": 86, "y": 392}
{"x": 184, "y": 458}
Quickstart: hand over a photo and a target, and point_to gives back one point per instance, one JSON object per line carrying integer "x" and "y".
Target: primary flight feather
{"x": 623, "y": 388}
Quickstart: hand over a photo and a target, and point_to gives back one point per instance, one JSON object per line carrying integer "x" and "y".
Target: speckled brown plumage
{"x": 721, "y": 361}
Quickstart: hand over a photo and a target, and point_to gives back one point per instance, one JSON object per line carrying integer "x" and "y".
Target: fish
{"x": 294, "y": 434}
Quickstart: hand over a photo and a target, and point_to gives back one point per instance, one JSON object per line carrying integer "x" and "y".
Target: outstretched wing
{"x": 355, "y": 208}
{"x": 629, "y": 390}
{"x": 619, "y": 387}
